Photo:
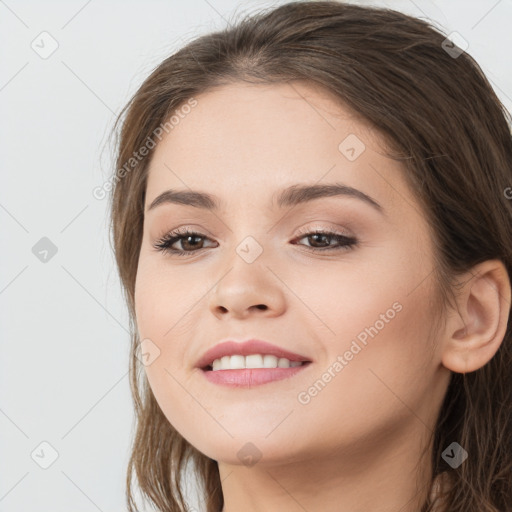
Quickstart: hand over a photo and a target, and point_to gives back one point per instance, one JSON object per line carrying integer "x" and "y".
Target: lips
{"x": 246, "y": 348}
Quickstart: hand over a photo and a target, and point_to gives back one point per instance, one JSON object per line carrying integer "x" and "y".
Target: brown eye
{"x": 190, "y": 242}
{"x": 320, "y": 241}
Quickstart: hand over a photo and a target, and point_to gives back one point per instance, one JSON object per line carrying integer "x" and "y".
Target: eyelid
{"x": 317, "y": 227}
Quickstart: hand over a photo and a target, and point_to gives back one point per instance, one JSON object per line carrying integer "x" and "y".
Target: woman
{"x": 311, "y": 223}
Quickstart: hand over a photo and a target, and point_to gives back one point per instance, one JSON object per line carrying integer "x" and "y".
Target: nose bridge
{"x": 248, "y": 259}
{"x": 250, "y": 237}
{"x": 247, "y": 281}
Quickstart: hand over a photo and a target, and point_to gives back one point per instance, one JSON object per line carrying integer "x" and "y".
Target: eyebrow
{"x": 291, "y": 196}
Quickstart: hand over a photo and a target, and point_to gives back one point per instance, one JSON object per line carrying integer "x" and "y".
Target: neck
{"x": 376, "y": 476}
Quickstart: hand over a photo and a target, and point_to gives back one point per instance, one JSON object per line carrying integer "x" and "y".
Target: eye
{"x": 190, "y": 242}
{"x": 319, "y": 238}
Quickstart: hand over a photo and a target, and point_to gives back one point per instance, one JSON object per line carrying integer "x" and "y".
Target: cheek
{"x": 378, "y": 354}
{"x": 166, "y": 302}
{"x": 166, "y": 306}
{"x": 340, "y": 302}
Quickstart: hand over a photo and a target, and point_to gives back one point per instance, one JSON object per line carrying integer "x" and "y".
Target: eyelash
{"x": 165, "y": 243}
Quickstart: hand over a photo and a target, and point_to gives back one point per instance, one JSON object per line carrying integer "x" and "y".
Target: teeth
{"x": 238, "y": 362}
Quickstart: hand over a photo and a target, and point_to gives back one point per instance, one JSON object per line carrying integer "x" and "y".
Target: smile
{"x": 246, "y": 376}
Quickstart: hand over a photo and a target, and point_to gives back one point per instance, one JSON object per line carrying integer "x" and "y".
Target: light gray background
{"x": 63, "y": 325}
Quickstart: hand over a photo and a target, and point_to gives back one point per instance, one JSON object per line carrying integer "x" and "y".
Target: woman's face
{"x": 361, "y": 314}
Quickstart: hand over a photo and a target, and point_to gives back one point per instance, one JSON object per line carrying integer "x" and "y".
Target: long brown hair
{"x": 439, "y": 116}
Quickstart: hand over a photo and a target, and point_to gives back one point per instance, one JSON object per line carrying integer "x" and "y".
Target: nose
{"x": 248, "y": 289}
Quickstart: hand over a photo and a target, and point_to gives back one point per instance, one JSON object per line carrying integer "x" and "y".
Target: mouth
{"x": 250, "y": 363}
{"x": 251, "y": 377}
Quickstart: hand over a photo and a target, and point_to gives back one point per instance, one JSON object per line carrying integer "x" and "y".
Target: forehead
{"x": 248, "y": 141}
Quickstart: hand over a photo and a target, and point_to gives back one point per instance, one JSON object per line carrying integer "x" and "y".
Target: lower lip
{"x": 250, "y": 377}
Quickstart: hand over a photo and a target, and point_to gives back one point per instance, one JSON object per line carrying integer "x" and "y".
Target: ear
{"x": 475, "y": 333}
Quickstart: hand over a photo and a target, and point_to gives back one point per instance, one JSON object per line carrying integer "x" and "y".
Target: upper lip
{"x": 246, "y": 348}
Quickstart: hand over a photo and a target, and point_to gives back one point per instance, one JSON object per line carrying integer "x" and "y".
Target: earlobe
{"x": 474, "y": 334}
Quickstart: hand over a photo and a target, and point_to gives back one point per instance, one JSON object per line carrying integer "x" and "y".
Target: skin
{"x": 356, "y": 446}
